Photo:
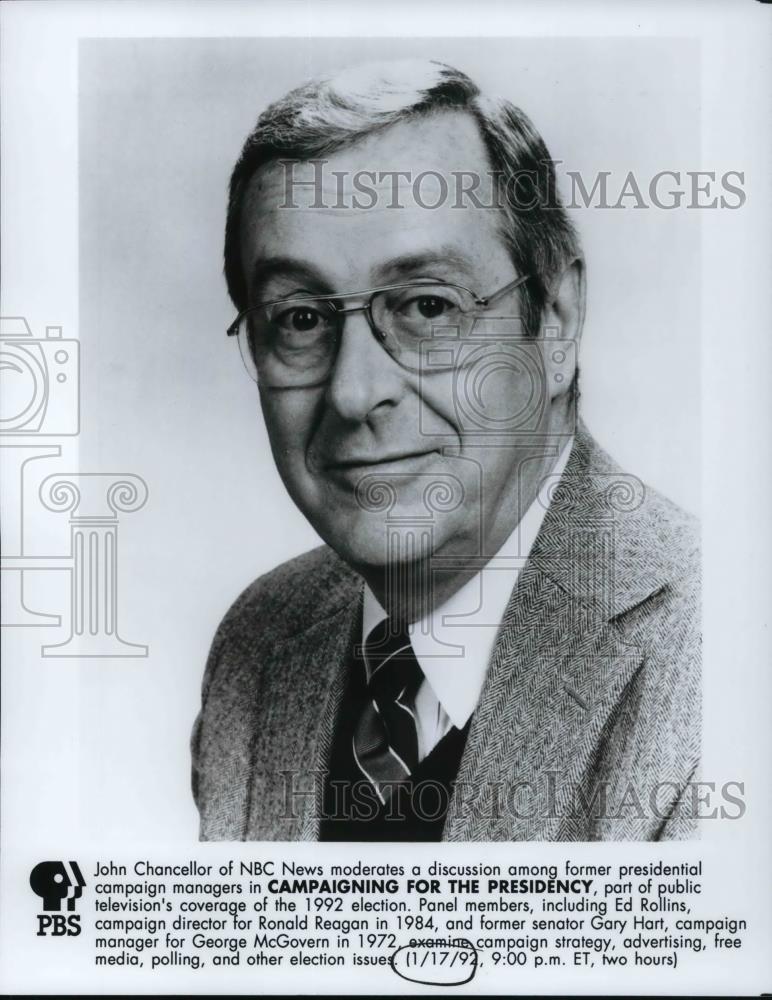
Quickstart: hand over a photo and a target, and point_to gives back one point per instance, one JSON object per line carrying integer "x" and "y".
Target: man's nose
{"x": 364, "y": 377}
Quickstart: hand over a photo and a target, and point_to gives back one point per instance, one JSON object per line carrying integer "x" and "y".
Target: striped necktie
{"x": 385, "y": 742}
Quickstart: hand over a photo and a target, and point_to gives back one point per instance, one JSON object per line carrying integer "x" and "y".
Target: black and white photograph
{"x": 499, "y": 611}
{"x": 385, "y": 600}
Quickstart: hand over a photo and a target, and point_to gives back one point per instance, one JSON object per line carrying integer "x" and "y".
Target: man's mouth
{"x": 367, "y": 460}
{"x": 351, "y": 469}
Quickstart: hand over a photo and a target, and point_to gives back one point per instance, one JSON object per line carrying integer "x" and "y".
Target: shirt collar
{"x": 454, "y": 642}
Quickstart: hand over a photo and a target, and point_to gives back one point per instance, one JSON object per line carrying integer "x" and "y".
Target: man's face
{"x": 361, "y": 454}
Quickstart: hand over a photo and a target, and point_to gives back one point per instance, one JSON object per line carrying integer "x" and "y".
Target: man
{"x": 499, "y": 638}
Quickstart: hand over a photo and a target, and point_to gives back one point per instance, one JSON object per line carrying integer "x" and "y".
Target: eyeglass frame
{"x": 482, "y": 301}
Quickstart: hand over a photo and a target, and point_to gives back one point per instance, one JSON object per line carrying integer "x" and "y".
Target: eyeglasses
{"x": 293, "y": 343}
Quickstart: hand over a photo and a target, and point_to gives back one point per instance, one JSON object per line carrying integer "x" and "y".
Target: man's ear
{"x": 562, "y": 322}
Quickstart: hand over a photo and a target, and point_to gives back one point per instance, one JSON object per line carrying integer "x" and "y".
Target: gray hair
{"x": 321, "y": 116}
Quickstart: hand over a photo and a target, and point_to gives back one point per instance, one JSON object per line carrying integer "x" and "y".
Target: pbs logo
{"x": 57, "y": 882}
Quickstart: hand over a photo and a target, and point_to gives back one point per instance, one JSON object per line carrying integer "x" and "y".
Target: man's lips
{"x": 374, "y": 461}
{"x": 350, "y": 471}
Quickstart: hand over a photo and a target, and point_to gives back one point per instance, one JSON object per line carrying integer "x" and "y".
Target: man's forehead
{"x": 425, "y": 161}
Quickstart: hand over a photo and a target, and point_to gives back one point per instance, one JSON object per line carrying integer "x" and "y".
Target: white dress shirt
{"x": 454, "y": 642}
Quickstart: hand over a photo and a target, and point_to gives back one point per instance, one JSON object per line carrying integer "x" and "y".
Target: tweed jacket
{"x": 588, "y": 724}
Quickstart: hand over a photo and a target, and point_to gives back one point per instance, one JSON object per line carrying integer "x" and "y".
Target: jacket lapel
{"x": 294, "y": 734}
{"x": 556, "y": 672}
{"x": 559, "y": 664}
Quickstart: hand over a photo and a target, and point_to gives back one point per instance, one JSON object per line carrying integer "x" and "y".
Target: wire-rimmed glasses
{"x": 293, "y": 342}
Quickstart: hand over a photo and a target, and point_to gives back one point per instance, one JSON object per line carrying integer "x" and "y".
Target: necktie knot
{"x": 392, "y": 668}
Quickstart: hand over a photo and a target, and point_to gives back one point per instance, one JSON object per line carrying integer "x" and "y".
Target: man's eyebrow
{"x": 266, "y": 268}
{"x": 438, "y": 258}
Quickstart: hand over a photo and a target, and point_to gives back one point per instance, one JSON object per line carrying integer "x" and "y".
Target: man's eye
{"x": 299, "y": 319}
{"x": 428, "y": 306}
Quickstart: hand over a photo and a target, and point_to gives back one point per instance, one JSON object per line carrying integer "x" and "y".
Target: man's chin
{"x": 371, "y": 543}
